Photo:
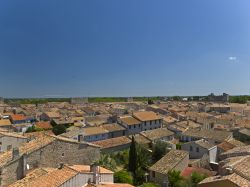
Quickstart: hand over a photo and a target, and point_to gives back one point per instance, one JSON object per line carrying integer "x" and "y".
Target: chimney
{"x": 60, "y": 165}
{"x": 96, "y": 173}
{"x": 15, "y": 153}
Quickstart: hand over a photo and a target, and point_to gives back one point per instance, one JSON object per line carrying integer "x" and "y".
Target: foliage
{"x": 159, "y": 150}
{"x": 178, "y": 146}
{"x": 196, "y": 178}
{"x": 143, "y": 161}
{"x": 35, "y": 100}
{"x": 106, "y": 99}
{"x": 149, "y": 184}
{"x": 132, "y": 157}
{"x": 108, "y": 162}
{"x": 175, "y": 178}
{"x": 150, "y": 102}
{"x": 177, "y": 98}
{"x": 122, "y": 158}
{"x": 143, "y": 157}
{"x": 123, "y": 177}
{"x": 59, "y": 129}
{"x": 33, "y": 129}
{"x": 242, "y": 99}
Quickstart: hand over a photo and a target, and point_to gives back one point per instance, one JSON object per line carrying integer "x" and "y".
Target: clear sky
{"x": 59, "y": 48}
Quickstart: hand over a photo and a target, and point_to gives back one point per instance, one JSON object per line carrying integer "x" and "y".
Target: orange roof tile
{"x": 129, "y": 120}
{"x": 43, "y": 125}
{"x": 17, "y": 117}
{"x": 146, "y": 116}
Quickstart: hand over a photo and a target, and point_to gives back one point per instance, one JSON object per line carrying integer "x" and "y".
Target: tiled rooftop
{"x": 113, "y": 142}
{"x": 169, "y": 161}
{"x": 157, "y": 133}
{"x": 146, "y": 116}
{"x": 130, "y": 120}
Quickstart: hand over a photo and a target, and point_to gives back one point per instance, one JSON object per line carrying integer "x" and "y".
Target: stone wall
{"x": 63, "y": 152}
{"x": 12, "y": 171}
{"x": 51, "y": 155}
{"x": 11, "y": 142}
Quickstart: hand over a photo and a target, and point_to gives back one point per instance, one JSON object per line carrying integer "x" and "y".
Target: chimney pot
{"x": 15, "y": 153}
{"x": 60, "y": 165}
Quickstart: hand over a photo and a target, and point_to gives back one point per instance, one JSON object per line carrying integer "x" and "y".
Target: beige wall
{"x": 51, "y": 156}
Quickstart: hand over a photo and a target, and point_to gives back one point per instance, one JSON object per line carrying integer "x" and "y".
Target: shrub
{"x": 123, "y": 177}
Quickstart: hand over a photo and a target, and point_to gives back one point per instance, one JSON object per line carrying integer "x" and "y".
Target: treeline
{"x": 106, "y": 99}
{"x": 90, "y": 100}
{"x": 242, "y": 99}
{"x": 35, "y": 100}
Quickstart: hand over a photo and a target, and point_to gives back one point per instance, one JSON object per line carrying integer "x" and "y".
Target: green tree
{"x": 159, "y": 150}
{"x": 123, "y": 177}
{"x": 59, "y": 129}
{"x": 132, "y": 157}
{"x": 149, "y": 184}
{"x": 196, "y": 178}
{"x": 107, "y": 161}
{"x": 33, "y": 129}
{"x": 122, "y": 158}
{"x": 143, "y": 161}
{"x": 150, "y": 101}
{"x": 175, "y": 179}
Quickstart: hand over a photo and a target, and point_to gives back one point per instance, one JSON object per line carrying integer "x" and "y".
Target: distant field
{"x": 90, "y": 99}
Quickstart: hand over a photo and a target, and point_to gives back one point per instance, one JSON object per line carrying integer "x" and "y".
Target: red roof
{"x": 18, "y": 117}
{"x": 189, "y": 170}
{"x": 44, "y": 125}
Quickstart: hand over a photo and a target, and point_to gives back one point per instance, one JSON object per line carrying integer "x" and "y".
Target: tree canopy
{"x": 59, "y": 129}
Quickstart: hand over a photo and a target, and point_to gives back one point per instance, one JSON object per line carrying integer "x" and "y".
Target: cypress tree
{"x": 132, "y": 157}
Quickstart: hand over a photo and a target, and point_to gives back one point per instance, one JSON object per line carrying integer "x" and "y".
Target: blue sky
{"x": 124, "y": 48}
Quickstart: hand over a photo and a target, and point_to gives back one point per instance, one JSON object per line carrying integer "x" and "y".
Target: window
{"x": 134, "y": 126}
{"x": 139, "y": 125}
{"x": 129, "y": 127}
{"x": 150, "y": 122}
{"x": 153, "y": 174}
{"x": 197, "y": 149}
{"x": 9, "y": 147}
{"x": 62, "y": 154}
{"x": 191, "y": 148}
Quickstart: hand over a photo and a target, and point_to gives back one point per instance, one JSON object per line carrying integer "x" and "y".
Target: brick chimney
{"x": 96, "y": 173}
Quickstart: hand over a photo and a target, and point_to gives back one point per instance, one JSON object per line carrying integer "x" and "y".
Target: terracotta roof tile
{"x": 18, "y": 117}
{"x": 169, "y": 161}
{"x": 130, "y": 120}
{"x": 157, "y": 133}
{"x": 43, "y": 125}
{"x": 146, "y": 116}
{"x": 113, "y": 142}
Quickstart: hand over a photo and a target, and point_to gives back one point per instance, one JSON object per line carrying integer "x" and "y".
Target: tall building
{"x": 220, "y": 98}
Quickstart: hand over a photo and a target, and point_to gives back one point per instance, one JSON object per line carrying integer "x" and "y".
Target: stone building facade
{"x": 50, "y": 153}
